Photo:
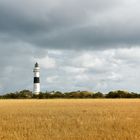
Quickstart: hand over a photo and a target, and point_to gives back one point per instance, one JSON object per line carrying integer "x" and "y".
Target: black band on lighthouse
{"x": 36, "y": 80}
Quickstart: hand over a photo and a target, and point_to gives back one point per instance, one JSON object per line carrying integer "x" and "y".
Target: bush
{"x": 27, "y": 94}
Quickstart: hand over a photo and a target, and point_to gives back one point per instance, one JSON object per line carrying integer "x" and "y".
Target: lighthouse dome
{"x": 36, "y": 64}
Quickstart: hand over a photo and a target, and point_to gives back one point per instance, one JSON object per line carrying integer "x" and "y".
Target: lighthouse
{"x": 36, "y": 84}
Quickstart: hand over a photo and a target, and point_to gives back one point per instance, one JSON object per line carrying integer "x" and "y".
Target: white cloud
{"x": 51, "y": 79}
{"x": 73, "y": 69}
{"x": 128, "y": 53}
{"x": 88, "y": 60}
{"x": 46, "y": 62}
{"x": 114, "y": 76}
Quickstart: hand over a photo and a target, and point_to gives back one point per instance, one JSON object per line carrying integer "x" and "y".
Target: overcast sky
{"x": 89, "y": 45}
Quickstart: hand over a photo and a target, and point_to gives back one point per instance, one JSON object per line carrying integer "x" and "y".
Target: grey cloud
{"x": 71, "y": 24}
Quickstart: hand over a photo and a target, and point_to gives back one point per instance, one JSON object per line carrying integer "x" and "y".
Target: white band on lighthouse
{"x": 36, "y": 86}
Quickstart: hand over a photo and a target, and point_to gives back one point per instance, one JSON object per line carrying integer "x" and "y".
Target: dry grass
{"x": 63, "y": 119}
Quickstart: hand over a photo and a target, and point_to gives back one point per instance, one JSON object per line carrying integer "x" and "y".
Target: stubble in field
{"x": 69, "y": 119}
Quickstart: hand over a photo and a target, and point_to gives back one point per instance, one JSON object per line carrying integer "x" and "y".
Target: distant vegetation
{"x": 27, "y": 94}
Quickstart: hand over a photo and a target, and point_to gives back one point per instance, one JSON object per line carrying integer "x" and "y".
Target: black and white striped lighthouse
{"x": 36, "y": 84}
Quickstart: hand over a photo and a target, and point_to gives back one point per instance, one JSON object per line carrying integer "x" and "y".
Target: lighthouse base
{"x": 36, "y": 88}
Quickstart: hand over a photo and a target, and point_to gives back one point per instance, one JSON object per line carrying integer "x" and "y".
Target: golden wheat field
{"x": 70, "y": 119}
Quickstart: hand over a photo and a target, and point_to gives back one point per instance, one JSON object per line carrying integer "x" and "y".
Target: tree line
{"x": 27, "y": 94}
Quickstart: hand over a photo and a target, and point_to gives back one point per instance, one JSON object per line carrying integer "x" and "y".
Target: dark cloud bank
{"x": 86, "y": 45}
